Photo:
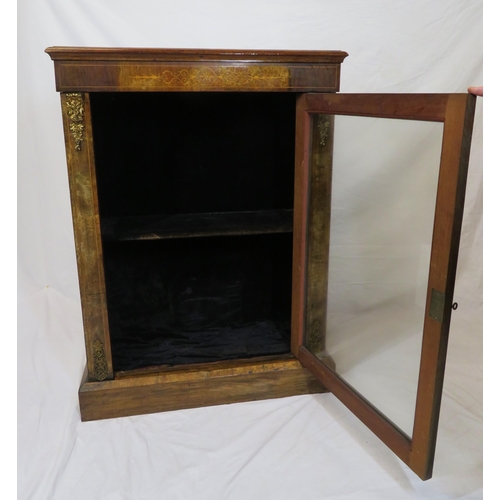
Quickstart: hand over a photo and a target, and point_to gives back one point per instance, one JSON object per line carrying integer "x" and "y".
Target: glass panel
{"x": 384, "y": 183}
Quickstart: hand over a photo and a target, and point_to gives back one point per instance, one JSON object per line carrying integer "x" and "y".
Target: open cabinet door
{"x": 380, "y": 187}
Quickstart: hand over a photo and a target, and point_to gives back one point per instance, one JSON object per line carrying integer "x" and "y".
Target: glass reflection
{"x": 384, "y": 183}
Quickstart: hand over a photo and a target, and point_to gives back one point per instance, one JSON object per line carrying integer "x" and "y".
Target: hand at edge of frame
{"x": 476, "y": 91}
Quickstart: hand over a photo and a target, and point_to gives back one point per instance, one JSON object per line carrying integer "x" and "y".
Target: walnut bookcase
{"x": 199, "y": 190}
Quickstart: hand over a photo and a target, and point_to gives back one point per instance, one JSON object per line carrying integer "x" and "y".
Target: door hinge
{"x": 436, "y": 310}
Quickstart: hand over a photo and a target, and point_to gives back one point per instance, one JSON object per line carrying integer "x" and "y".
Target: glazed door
{"x": 379, "y": 199}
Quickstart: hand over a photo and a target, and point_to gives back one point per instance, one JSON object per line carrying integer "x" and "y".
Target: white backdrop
{"x": 306, "y": 447}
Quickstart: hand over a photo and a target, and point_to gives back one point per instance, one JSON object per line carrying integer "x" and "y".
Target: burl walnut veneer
{"x": 200, "y": 190}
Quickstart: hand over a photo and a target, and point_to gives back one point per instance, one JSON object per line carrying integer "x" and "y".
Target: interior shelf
{"x": 196, "y": 225}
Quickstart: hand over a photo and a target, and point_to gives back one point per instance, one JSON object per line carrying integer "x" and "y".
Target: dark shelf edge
{"x": 133, "y": 228}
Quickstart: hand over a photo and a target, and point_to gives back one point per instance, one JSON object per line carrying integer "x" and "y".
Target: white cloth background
{"x": 306, "y": 447}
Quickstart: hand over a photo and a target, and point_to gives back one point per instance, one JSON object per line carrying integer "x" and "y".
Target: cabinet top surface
{"x": 157, "y": 54}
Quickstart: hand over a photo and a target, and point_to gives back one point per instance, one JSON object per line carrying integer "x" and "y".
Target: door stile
{"x": 450, "y": 199}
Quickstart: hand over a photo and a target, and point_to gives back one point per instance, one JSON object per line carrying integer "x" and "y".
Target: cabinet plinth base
{"x": 209, "y": 384}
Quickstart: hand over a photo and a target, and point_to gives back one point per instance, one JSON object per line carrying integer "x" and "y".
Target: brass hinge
{"x": 436, "y": 310}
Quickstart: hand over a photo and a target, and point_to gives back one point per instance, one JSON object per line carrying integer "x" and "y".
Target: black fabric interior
{"x": 201, "y": 299}
{"x": 175, "y": 153}
{"x": 198, "y": 300}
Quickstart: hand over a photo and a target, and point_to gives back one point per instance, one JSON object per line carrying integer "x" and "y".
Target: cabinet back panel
{"x": 198, "y": 300}
{"x": 173, "y": 153}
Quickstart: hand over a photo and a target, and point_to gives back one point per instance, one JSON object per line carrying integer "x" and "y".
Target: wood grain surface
{"x": 200, "y": 385}
{"x": 86, "y": 226}
{"x": 154, "y": 70}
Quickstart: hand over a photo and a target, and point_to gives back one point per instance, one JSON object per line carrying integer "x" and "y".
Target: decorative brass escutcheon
{"x": 100, "y": 364}
{"x": 74, "y": 106}
{"x": 323, "y": 126}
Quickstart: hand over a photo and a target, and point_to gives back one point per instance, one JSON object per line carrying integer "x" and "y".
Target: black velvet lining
{"x": 261, "y": 338}
{"x": 198, "y": 300}
{"x": 185, "y": 153}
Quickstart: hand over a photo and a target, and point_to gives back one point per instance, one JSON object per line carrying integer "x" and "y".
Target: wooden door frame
{"x": 456, "y": 112}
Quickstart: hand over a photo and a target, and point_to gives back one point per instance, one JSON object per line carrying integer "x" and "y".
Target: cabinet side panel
{"x": 313, "y": 185}
{"x": 86, "y": 226}
{"x": 318, "y": 231}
